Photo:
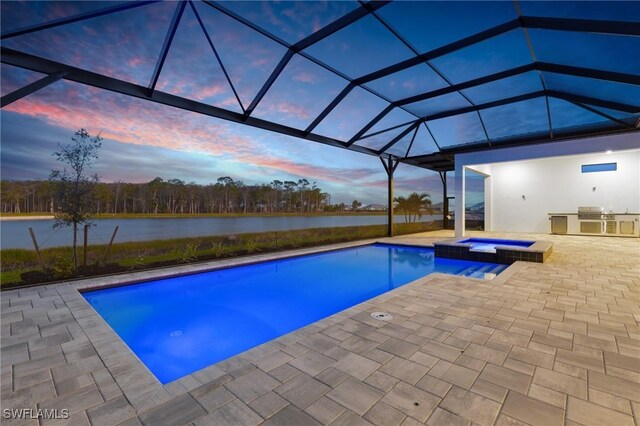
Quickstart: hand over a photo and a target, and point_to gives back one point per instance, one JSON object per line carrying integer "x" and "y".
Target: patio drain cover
{"x": 384, "y": 316}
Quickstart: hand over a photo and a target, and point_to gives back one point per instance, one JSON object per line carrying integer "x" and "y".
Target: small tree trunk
{"x": 113, "y": 237}
{"x": 75, "y": 247}
{"x": 35, "y": 244}
{"x": 84, "y": 246}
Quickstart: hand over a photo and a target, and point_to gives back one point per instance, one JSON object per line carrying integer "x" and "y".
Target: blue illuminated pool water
{"x": 179, "y": 325}
{"x": 489, "y": 244}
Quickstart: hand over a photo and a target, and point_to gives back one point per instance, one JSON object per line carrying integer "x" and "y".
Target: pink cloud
{"x": 132, "y": 121}
{"x": 316, "y": 24}
{"x": 305, "y": 77}
{"x": 292, "y": 109}
{"x": 417, "y": 184}
{"x": 123, "y": 120}
{"x": 61, "y": 9}
{"x": 299, "y": 20}
{"x": 176, "y": 87}
{"x": 90, "y": 31}
{"x": 210, "y": 91}
{"x": 409, "y": 84}
{"x": 230, "y": 101}
{"x": 260, "y": 62}
{"x": 332, "y": 174}
{"x": 270, "y": 14}
{"x": 136, "y": 61}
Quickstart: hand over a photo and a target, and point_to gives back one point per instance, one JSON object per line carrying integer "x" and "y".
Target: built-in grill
{"x": 591, "y": 219}
{"x": 590, "y": 213}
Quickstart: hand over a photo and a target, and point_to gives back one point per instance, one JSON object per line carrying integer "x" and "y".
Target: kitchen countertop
{"x": 575, "y": 214}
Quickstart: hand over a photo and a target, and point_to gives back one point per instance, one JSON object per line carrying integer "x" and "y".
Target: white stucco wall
{"x": 550, "y": 178}
{"x": 558, "y": 185}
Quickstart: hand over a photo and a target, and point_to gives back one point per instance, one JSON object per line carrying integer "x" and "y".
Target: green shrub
{"x": 219, "y": 250}
{"x": 251, "y": 246}
{"x": 188, "y": 254}
{"x": 62, "y": 268}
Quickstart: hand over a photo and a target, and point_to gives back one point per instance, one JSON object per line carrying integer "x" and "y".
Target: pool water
{"x": 179, "y": 325}
{"x": 489, "y": 244}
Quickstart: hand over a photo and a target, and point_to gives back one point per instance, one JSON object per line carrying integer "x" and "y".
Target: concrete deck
{"x": 542, "y": 344}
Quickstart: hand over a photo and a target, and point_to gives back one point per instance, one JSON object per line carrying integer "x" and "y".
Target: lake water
{"x": 15, "y": 234}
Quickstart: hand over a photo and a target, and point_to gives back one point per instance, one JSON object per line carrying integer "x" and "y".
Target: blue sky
{"x": 144, "y": 140}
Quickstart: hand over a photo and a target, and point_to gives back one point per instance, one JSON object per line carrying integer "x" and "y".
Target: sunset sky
{"x": 144, "y": 140}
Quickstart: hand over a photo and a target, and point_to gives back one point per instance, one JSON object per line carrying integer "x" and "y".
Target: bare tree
{"x": 72, "y": 185}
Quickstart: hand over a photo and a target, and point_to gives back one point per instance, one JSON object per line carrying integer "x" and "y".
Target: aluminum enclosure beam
{"x": 75, "y": 18}
{"x": 171, "y": 32}
{"x": 324, "y": 32}
{"x": 45, "y": 66}
{"x": 30, "y": 88}
{"x": 402, "y": 134}
{"x": 536, "y": 66}
{"x": 77, "y": 75}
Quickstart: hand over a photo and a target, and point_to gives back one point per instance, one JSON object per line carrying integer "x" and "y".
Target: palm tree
{"x": 413, "y": 206}
{"x": 403, "y": 206}
{"x": 419, "y": 203}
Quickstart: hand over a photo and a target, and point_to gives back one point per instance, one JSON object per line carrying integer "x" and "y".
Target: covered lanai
{"x": 540, "y": 98}
{"x": 409, "y": 82}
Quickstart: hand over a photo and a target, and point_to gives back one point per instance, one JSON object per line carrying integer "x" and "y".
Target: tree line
{"x": 174, "y": 196}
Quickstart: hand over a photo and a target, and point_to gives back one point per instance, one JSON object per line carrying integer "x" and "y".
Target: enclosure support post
{"x": 460, "y": 200}
{"x": 35, "y": 244}
{"x": 390, "y": 167}
{"x": 445, "y": 201}
{"x": 390, "y": 204}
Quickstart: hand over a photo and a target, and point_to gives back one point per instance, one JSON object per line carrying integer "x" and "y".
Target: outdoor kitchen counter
{"x": 612, "y": 224}
{"x": 576, "y": 214}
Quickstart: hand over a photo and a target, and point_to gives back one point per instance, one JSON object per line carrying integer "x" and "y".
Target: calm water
{"x": 489, "y": 244}
{"x": 179, "y": 325}
{"x": 15, "y": 234}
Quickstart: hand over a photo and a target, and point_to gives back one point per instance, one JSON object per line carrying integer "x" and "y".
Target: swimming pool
{"x": 179, "y": 325}
{"x": 489, "y": 244}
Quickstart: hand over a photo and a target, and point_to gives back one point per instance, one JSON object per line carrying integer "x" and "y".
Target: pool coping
{"x": 455, "y": 248}
{"x": 141, "y": 387}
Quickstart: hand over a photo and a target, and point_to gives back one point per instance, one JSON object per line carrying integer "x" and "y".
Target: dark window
{"x": 603, "y": 167}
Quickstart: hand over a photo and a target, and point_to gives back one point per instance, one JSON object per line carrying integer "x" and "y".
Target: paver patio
{"x": 542, "y": 344}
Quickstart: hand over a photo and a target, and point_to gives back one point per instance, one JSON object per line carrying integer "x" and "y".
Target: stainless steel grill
{"x": 590, "y": 213}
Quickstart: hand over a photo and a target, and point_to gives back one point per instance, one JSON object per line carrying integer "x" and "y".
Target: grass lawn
{"x": 22, "y": 267}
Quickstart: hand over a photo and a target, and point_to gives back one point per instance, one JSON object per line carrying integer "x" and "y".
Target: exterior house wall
{"x": 549, "y": 177}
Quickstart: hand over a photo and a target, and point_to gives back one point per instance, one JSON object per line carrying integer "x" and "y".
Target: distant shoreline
{"x": 29, "y": 216}
{"x": 4, "y": 218}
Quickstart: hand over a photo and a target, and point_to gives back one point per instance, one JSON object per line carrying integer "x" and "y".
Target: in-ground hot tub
{"x": 490, "y": 244}
{"x": 494, "y": 250}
